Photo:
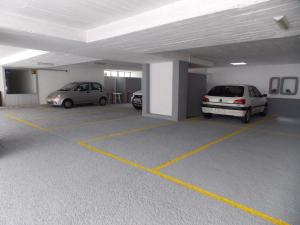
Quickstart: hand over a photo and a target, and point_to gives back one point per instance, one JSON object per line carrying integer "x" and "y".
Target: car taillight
{"x": 205, "y": 99}
{"x": 240, "y": 101}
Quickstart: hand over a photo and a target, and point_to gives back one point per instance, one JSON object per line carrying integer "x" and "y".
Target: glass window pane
{"x": 121, "y": 74}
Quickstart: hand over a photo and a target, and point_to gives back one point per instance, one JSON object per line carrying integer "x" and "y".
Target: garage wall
{"x": 2, "y": 82}
{"x": 256, "y": 75}
{"x": 260, "y": 76}
{"x": 49, "y": 81}
{"x": 160, "y": 88}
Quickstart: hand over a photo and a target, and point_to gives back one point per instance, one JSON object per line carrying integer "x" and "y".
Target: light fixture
{"x": 281, "y": 22}
{"x": 238, "y": 63}
{"x": 27, "y": 54}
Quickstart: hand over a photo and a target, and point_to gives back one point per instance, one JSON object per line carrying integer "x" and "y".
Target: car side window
{"x": 251, "y": 92}
{"x": 83, "y": 87}
{"x": 256, "y": 92}
{"x": 96, "y": 87}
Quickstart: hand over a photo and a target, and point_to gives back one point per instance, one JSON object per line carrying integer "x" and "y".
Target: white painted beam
{"x": 180, "y": 10}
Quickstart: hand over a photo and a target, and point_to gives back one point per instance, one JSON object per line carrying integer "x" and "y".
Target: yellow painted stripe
{"x": 123, "y": 160}
{"x": 127, "y": 132}
{"x": 208, "y": 145}
{"x": 188, "y": 185}
{"x": 26, "y": 123}
{"x": 69, "y": 113}
{"x": 90, "y": 122}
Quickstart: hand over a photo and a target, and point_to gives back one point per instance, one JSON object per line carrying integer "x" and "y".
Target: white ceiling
{"x": 51, "y": 60}
{"x": 82, "y": 14}
{"x": 271, "y": 51}
{"x": 8, "y": 51}
{"x": 60, "y": 26}
{"x": 231, "y": 26}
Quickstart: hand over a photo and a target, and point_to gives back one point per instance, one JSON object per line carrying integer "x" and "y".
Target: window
{"x": 107, "y": 73}
{"x": 83, "y": 87}
{"x": 121, "y": 74}
{"x": 251, "y": 92}
{"x": 227, "y": 91}
{"x": 289, "y": 85}
{"x": 256, "y": 92}
{"x": 114, "y": 73}
{"x": 127, "y": 74}
{"x": 96, "y": 87}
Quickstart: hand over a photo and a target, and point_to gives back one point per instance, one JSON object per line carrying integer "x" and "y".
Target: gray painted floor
{"x": 46, "y": 177}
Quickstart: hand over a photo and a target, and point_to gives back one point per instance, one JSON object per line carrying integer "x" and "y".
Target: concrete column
{"x": 180, "y": 85}
{"x": 176, "y": 82}
{"x": 145, "y": 88}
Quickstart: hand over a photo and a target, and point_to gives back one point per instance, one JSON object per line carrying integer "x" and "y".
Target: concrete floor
{"x": 107, "y": 165}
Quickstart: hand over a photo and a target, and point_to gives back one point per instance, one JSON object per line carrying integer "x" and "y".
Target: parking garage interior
{"x": 166, "y": 162}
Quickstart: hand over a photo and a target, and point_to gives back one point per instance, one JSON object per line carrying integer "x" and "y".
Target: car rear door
{"x": 96, "y": 91}
{"x": 254, "y": 98}
{"x": 260, "y": 101}
{"x": 82, "y": 93}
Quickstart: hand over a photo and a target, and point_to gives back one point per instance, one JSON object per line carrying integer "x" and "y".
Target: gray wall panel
{"x": 284, "y": 107}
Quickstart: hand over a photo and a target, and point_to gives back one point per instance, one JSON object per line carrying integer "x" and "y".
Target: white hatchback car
{"x": 235, "y": 100}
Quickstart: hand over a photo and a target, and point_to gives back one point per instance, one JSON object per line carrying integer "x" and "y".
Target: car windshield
{"x": 69, "y": 87}
{"x": 227, "y": 91}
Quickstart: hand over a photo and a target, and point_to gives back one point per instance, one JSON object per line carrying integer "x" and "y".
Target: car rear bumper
{"x": 225, "y": 110}
{"x": 137, "y": 101}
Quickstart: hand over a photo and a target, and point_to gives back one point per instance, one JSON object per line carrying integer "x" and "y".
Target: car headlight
{"x": 57, "y": 97}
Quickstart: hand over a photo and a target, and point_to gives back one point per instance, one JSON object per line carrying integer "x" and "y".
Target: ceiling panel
{"x": 231, "y": 26}
{"x": 272, "y": 51}
{"x": 8, "y": 51}
{"x": 51, "y": 60}
{"x": 83, "y": 14}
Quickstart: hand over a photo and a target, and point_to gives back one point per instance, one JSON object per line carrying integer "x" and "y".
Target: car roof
{"x": 237, "y": 85}
{"x": 82, "y": 82}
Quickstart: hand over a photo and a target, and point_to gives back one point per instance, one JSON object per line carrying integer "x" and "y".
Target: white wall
{"x": 49, "y": 81}
{"x": 2, "y": 89}
{"x": 160, "y": 88}
{"x": 21, "y": 99}
{"x": 255, "y": 75}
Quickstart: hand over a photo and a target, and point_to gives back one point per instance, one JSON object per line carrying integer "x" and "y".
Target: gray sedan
{"x": 78, "y": 93}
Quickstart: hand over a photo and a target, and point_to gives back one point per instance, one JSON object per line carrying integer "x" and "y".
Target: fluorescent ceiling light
{"x": 27, "y": 54}
{"x": 238, "y": 63}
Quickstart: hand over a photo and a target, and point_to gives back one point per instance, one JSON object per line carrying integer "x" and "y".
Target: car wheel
{"x": 68, "y": 103}
{"x": 247, "y": 117}
{"x": 207, "y": 115}
{"x": 265, "y": 112}
{"x": 102, "y": 101}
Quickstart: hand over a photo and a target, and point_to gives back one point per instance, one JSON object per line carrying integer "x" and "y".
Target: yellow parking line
{"x": 26, "y": 123}
{"x": 208, "y": 145}
{"x": 188, "y": 185}
{"x": 67, "y": 113}
{"x": 127, "y": 132}
{"x": 91, "y": 122}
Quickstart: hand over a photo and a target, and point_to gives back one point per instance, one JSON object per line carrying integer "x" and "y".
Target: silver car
{"x": 137, "y": 99}
{"x": 78, "y": 93}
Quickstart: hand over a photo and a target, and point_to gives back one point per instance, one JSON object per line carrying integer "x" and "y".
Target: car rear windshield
{"x": 227, "y": 91}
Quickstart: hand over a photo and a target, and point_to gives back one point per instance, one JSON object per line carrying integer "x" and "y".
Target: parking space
{"x": 130, "y": 162}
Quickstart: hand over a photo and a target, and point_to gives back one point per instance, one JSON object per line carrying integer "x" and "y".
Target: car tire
{"x": 207, "y": 115}
{"x": 68, "y": 104}
{"x": 102, "y": 101}
{"x": 247, "y": 117}
{"x": 265, "y": 112}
